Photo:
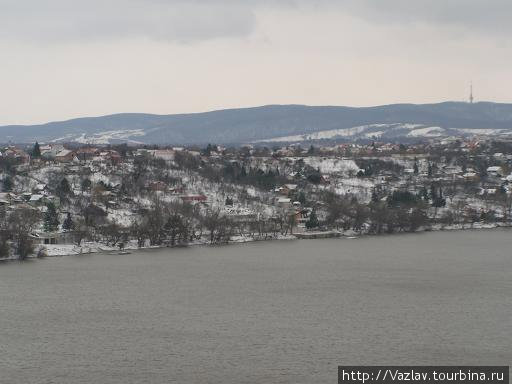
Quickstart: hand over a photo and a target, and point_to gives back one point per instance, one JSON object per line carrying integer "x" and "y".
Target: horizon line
{"x": 65, "y": 120}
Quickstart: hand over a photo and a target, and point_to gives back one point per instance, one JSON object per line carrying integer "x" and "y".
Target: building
{"x": 194, "y": 198}
{"x": 495, "y": 171}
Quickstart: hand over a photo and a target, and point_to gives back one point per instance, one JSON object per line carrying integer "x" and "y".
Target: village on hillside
{"x": 69, "y": 199}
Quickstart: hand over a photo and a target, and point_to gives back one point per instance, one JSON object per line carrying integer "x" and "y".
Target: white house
{"x": 495, "y": 171}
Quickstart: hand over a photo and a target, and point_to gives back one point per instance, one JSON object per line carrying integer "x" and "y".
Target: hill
{"x": 276, "y": 123}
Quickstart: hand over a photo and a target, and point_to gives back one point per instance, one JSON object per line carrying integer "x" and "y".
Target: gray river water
{"x": 269, "y": 312}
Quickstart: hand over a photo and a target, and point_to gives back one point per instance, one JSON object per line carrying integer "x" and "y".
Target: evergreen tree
{"x": 209, "y": 149}
{"x": 433, "y": 193}
{"x": 424, "y": 194}
{"x": 375, "y": 196}
{"x": 36, "y": 152}
{"x": 313, "y": 221}
{"x": 68, "y": 223}
{"x": 302, "y": 198}
{"x": 8, "y": 184}
{"x": 315, "y": 177}
{"x": 401, "y": 198}
{"x": 51, "y": 218}
{"x": 85, "y": 185}
{"x": 438, "y": 201}
{"x": 4, "y": 247}
{"x": 63, "y": 189}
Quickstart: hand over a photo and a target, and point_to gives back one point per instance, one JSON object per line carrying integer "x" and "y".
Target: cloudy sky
{"x": 69, "y": 58}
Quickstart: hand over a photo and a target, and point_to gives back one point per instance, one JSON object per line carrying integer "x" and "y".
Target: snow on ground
{"x": 103, "y": 137}
{"x": 343, "y": 132}
{"x": 359, "y": 131}
{"x": 252, "y": 192}
{"x": 355, "y": 186}
{"x": 332, "y": 165}
{"x": 61, "y": 249}
{"x": 375, "y": 134}
{"x": 426, "y": 132}
{"x": 329, "y": 134}
{"x": 478, "y": 131}
{"x": 123, "y": 217}
{"x": 96, "y": 177}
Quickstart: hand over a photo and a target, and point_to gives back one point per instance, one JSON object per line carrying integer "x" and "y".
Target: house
{"x": 64, "y": 156}
{"x": 49, "y": 152}
{"x": 241, "y": 214}
{"x": 157, "y": 186}
{"x": 290, "y": 187}
{"x": 40, "y": 188}
{"x": 284, "y": 202}
{"x": 36, "y": 199}
{"x": 470, "y": 176}
{"x": 164, "y": 154}
{"x": 54, "y": 237}
{"x": 177, "y": 190}
{"x": 110, "y": 156}
{"x": 18, "y": 154}
{"x": 495, "y": 171}
{"x": 86, "y": 153}
{"x": 6, "y": 196}
{"x": 45, "y": 238}
{"x": 194, "y": 198}
{"x": 286, "y": 189}
{"x": 452, "y": 170}
{"x": 302, "y": 215}
{"x": 488, "y": 191}
{"x": 114, "y": 157}
{"x": 111, "y": 204}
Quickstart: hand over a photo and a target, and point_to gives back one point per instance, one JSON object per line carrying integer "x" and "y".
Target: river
{"x": 267, "y": 312}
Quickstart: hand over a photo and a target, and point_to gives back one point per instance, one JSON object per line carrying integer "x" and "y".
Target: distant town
{"x": 71, "y": 199}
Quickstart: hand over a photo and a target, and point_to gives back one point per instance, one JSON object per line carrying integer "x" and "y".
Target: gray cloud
{"x": 174, "y": 20}
{"x": 197, "y": 20}
{"x": 476, "y": 15}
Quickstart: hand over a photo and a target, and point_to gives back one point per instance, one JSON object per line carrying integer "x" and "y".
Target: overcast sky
{"x": 69, "y": 58}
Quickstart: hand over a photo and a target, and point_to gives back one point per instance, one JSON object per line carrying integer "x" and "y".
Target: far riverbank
{"x": 60, "y": 250}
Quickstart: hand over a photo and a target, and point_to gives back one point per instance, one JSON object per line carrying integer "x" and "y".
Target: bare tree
{"x": 140, "y": 233}
{"x": 21, "y": 224}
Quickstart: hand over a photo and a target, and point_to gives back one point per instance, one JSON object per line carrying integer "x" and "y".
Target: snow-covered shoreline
{"x": 61, "y": 250}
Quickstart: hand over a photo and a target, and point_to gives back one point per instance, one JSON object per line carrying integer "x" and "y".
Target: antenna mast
{"x": 471, "y": 98}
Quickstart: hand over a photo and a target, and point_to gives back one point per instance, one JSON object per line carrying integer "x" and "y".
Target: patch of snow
{"x": 426, "y": 132}
{"x": 329, "y": 134}
{"x": 375, "y": 134}
{"x": 330, "y": 165}
{"x": 479, "y": 131}
{"x": 103, "y": 137}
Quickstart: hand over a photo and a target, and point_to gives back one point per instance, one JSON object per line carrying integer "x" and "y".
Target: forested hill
{"x": 278, "y": 123}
